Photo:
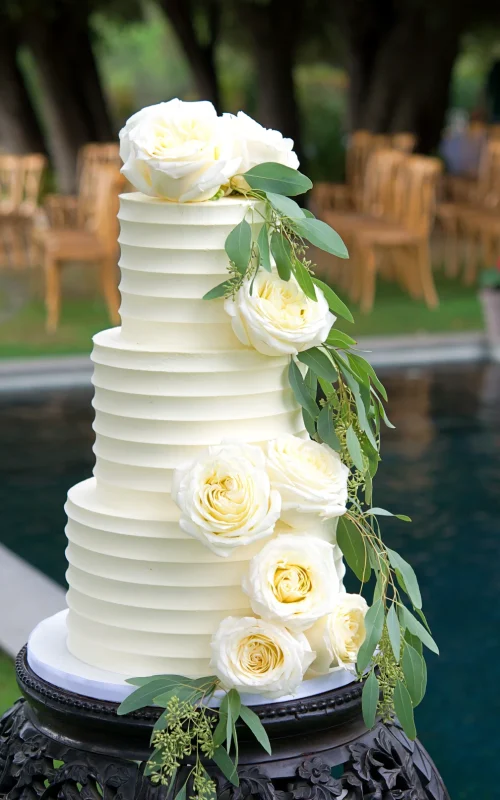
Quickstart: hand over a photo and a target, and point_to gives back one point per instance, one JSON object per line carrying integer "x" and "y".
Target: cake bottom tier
{"x": 144, "y": 597}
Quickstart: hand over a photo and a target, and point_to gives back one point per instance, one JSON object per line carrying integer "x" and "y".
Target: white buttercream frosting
{"x": 144, "y": 596}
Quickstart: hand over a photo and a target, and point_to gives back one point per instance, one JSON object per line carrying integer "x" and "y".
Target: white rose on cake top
{"x": 254, "y": 145}
{"x": 177, "y": 151}
{"x": 337, "y": 637}
{"x": 276, "y": 317}
{"x": 225, "y": 497}
{"x": 259, "y": 657}
{"x": 293, "y": 580}
{"x": 310, "y": 477}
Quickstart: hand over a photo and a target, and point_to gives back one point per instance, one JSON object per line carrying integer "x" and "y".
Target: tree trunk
{"x": 418, "y": 109}
{"x": 274, "y": 28}
{"x": 401, "y": 81}
{"x": 71, "y": 95}
{"x": 94, "y": 100}
{"x": 20, "y": 131}
{"x": 366, "y": 25}
{"x": 201, "y": 56}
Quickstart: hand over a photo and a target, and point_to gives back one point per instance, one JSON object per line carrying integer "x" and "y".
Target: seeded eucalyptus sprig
{"x": 342, "y": 403}
{"x": 188, "y": 733}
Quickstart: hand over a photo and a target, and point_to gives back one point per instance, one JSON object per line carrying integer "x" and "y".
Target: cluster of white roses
{"x": 184, "y": 152}
{"x": 234, "y": 495}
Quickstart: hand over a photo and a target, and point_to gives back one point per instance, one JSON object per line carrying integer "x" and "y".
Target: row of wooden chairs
{"x": 83, "y": 228}
{"x": 66, "y": 228}
{"x": 393, "y": 221}
{"x": 469, "y": 214}
{"x": 361, "y": 145}
{"x": 20, "y": 182}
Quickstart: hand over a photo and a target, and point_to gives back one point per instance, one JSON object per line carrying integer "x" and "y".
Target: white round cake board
{"x": 50, "y": 659}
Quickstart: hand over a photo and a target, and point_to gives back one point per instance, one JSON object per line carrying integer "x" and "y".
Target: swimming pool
{"x": 441, "y": 466}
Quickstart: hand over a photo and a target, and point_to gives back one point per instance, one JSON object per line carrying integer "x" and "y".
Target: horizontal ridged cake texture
{"x": 144, "y": 597}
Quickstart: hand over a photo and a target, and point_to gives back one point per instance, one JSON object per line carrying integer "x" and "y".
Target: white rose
{"x": 277, "y": 318}
{"x": 178, "y": 151}
{"x": 258, "y": 657}
{"x": 294, "y": 580}
{"x": 337, "y": 637}
{"x": 254, "y": 145}
{"x": 310, "y": 477}
{"x": 225, "y": 497}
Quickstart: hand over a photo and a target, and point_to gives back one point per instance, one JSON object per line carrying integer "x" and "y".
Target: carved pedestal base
{"x": 55, "y": 744}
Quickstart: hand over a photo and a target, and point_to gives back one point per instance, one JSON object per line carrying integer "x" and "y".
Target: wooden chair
{"x": 95, "y": 242}
{"x": 378, "y": 205}
{"x": 20, "y": 182}
{"x": 466, "y": 197}
{"x": 71, "y": 210}
{"x": 404, "y": 141}
{"x": 339, "y": 196}
{"x": 406, "y": 239}
{"x": 480, "y": 224}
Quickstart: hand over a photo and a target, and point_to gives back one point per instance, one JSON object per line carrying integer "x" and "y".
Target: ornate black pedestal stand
{"x": 54, "y": 744}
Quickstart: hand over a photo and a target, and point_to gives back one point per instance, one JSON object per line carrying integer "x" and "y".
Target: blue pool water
{"x": 441, "y": 466}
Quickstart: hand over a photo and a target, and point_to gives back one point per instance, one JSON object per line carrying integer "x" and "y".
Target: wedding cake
{"x": 235, "y": 430}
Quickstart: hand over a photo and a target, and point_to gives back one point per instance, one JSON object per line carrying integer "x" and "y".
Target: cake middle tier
{"x": 157, "y": 411}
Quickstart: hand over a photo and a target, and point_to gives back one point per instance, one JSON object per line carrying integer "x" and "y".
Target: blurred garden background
{"x": 320, "y": 72}
{"x": 394, "y": 107}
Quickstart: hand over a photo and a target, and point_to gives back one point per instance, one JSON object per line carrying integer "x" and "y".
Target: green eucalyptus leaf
{"x": 415, "y": 672}
{"x": 238, "y": 246}
{"x": 272, "y": 177}
{"x": 339, "y": 339}
{"x": 285, "y": 206}
{"x": 364, "y": 366}
{"x": 351, "y": 542}
{"x": 308, "y": 213}
{"x": 354, "y": 448}
{"x": 144, "y": 696}
{"x": 309, "y": 423}
{"x": 335, "y": 304}
{"x": 304, "y": 279}
{"x": 234, "y": 701}
{"x": 326, "y": 429}
{"x": 311, "y": 382}
{"x": 321, "y": 235}
{"x": 263, "y": 245}
{"x": 369, "y": 699}
{"x": 404, "y": 710}
{"x": 218, "y": 291}
{"x": 300, "y": 390}
{"x": 220, "y": 732}
{"x": 410, "y": 579}
{"x": 253, "y": 722}
{"x": 414, "y": 626}
{"x": 414, "y": 641}
{"x": 368, "y": 488}
{"x": 326, "y": 387}
{"x": 319, "y": 363}
{"x": 280, "y": 249}
{"x": 422, "y": 617}
{"x": 374, "y": 624}
{"x": 161, "y": 722}
{"x": 184, "y": 693}
{"x": 394, "y": 631}
{"x": 181, "y": 794}
{"x": 226, "y": 765}
{"x": 382, "y": 512}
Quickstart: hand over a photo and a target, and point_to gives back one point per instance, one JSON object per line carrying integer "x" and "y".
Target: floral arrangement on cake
{"x": 306, "y": 502}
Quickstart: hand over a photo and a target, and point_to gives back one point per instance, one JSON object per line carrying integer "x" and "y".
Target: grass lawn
{"x": 23, "y": 334}
{"x": 9, "y": 690}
